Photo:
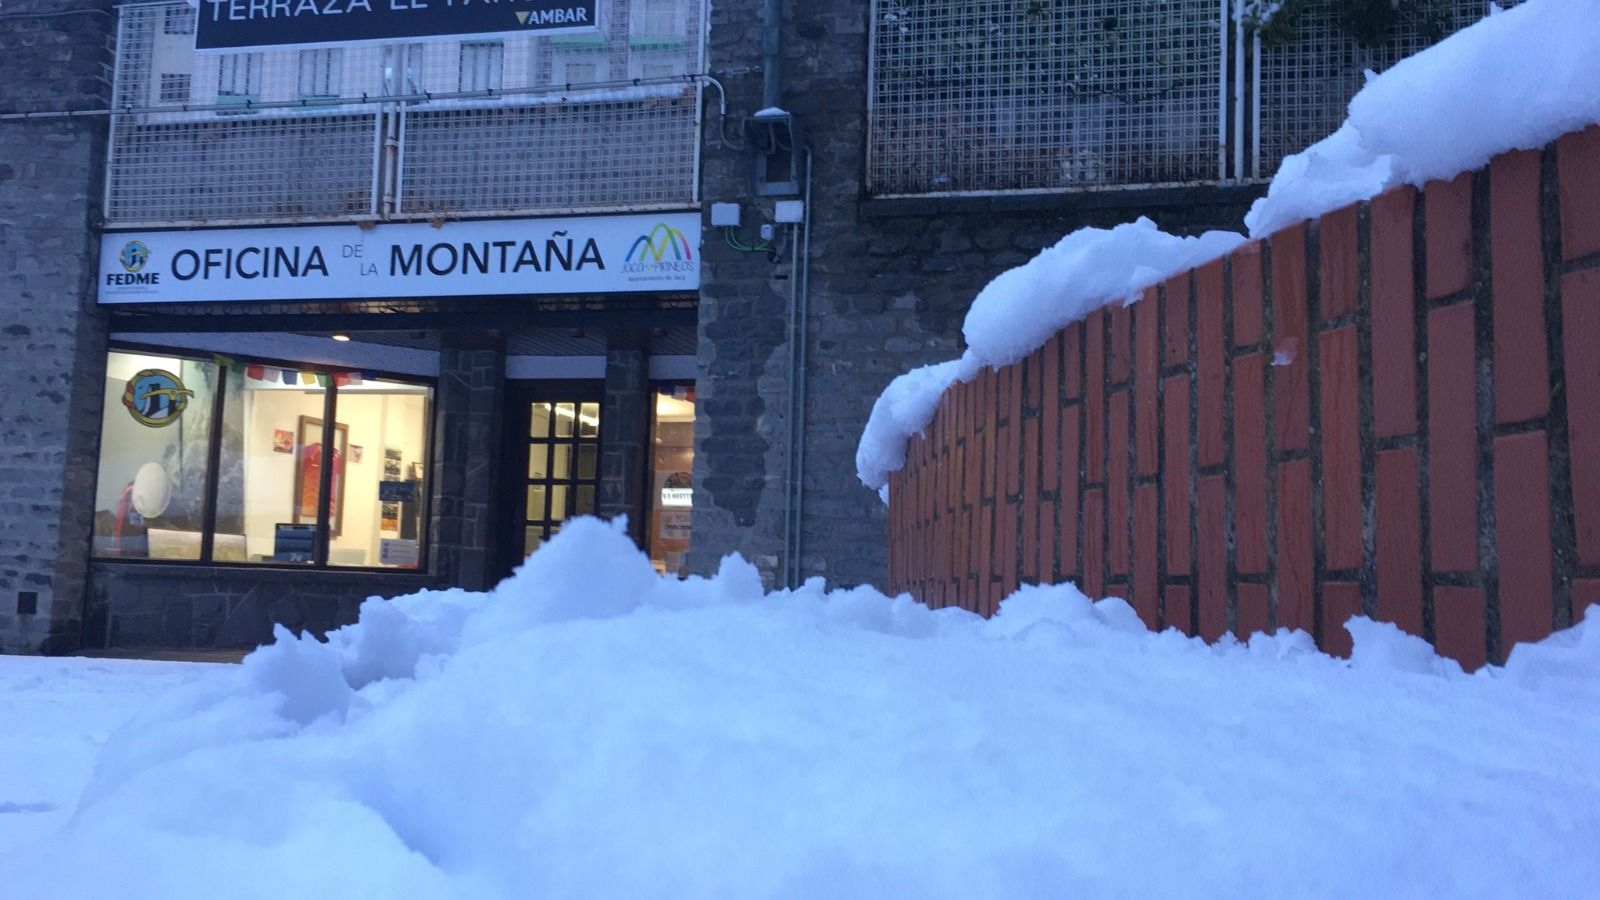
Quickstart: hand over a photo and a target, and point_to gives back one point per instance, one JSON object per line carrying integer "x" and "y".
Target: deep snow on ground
{"x": 1517, "y": 79}
{"x": 590, "y": 729}
{"x": 54, "y": 715}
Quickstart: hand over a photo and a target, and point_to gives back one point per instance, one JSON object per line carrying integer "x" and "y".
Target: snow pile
{"x": 1515, "y": 80}
{"x": 592, "y": 730}
{"x": 54, "y": 715}
{"x": 1017, "y": 313}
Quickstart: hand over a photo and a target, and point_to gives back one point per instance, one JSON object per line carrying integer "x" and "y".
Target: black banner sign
{"x": 250, "y": 24}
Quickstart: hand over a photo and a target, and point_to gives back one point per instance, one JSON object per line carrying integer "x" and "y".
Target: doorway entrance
{"x": 554, "y": 455}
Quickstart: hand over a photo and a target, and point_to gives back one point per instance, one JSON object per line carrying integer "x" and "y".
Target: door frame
{"x": 517, "y": 419}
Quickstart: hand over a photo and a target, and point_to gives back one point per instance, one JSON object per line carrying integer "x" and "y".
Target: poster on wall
{"x": 236, "y": 25}
{"x": 632, "y": 253}
{"x": 308, "y": 473}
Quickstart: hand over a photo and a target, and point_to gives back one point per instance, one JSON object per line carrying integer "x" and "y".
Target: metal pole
{"x": 1238, "y": 89}
{"x": 1255, "y": 109}
{"x": 771, "y": 47}
{"x": 1222, "y": 91}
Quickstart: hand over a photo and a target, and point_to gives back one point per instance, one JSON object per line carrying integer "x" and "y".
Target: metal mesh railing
{"x": 482, "y": 127}
{"x": 595, "y": 155}
{"x": 1306, "y": 82}
{"x": 986, "y": 95}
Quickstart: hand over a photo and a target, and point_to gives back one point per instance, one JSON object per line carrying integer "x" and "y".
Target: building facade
{"x": 659, "y": 266}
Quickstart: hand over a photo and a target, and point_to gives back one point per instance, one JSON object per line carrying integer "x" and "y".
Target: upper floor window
{"x": 239, "y": 76}
{"x": 320, "y": 72}
{"x": 656, "y": 18}
{"x": 174, "y": 87}
{"x": 482, "y": 65}
{"x": 178, "y": 20}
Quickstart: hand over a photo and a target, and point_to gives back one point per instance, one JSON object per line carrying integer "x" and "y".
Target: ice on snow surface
{"x": 589, "y": 729}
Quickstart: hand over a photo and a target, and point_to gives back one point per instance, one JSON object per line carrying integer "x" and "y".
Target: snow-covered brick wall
{"x": 1338, "y": 419}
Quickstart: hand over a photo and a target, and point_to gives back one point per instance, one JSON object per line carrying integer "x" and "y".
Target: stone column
{"x": 51, "y": 172}
{"x": 466, "y": 459}
{"x": 625, "y": 430}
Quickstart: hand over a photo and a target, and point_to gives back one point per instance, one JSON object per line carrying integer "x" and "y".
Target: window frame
{"x": 326, "y": 66}
{"x": 208, "y": 525}
{"x": 490, "y": 57}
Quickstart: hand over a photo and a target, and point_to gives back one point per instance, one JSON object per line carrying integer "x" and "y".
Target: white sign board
{"x": 398, "y": 552}
{"x": 588, "y": 255}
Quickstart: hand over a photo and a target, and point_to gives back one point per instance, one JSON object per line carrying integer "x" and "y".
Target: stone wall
{"x": 890, "y": 284}
{"x": 187, "y": 607}
{"x": 56, "y": 56}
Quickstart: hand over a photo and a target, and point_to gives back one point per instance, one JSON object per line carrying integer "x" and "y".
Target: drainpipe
{"x": 795, "y": 463}
{"x": 771, "y": 43}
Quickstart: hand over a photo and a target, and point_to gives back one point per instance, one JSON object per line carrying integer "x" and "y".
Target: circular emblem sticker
{"x": 134, "y": 255}
{"x": 156, "y": 398}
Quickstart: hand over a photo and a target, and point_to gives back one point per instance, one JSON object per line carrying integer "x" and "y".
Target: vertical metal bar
{"x": 872, "y": 80}
{"x": 702, "y": 34}
{"x": 117, "y": 80}
{"x": 379, "y": 123}
{"x": 1238, "y": 89}
{"x": 330, "y": 444}
{"x": 1255, "y": 108}
{"x": 208, "y": 505}
{"x": 396, "y": 181}
{"x": 1223, "y": 39}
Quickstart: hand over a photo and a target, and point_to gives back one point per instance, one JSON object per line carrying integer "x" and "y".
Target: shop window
{"x": 671, "y": 465}
{"x": 155, "y": 450}
{"x": 285, "y": 490}
{"x": 386, "y": 464}
{"x": 482, "y": 64}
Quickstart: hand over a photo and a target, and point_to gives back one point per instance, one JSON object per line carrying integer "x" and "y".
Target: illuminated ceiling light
{"x": 341, "y": 337}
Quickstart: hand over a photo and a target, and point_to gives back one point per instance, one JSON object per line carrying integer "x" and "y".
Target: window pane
{"x": 531, "y": 539}
{"x": 589, "y": 420}
{"x": 558, "y": 502}
{"x": 671, "y": 468}
{"x": 271, "y": 468}
{"x": 540, "y": 427}
{"x": 535, "y": 503}
{"x": 588, "y": 455}
{"x": 583, "y": 503}
{"x": 565, "y": 413}
{"x": 561, "y": 463}
{"x": 155, "y": 445}
{"x": 538, "y": 462}
{"x": 386, "y": 494}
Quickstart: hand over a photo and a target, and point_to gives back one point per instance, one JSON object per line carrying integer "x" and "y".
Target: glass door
{"x": 557, "y": 460}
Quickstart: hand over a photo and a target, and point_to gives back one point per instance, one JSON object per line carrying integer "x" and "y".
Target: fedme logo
{"x": 133, "y": 257}
{"x": 649, "y": 254}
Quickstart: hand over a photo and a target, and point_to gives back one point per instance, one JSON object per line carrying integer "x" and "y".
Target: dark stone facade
{"x": 890, "y": 282}
{"x": 181, "y": 607}
{"x": 56, "y": 56}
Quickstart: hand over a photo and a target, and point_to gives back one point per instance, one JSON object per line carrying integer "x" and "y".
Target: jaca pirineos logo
{"x": 663, "y": 251}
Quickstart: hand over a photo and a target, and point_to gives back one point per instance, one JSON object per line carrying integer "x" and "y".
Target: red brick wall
{"x": 1394, "y": 410}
